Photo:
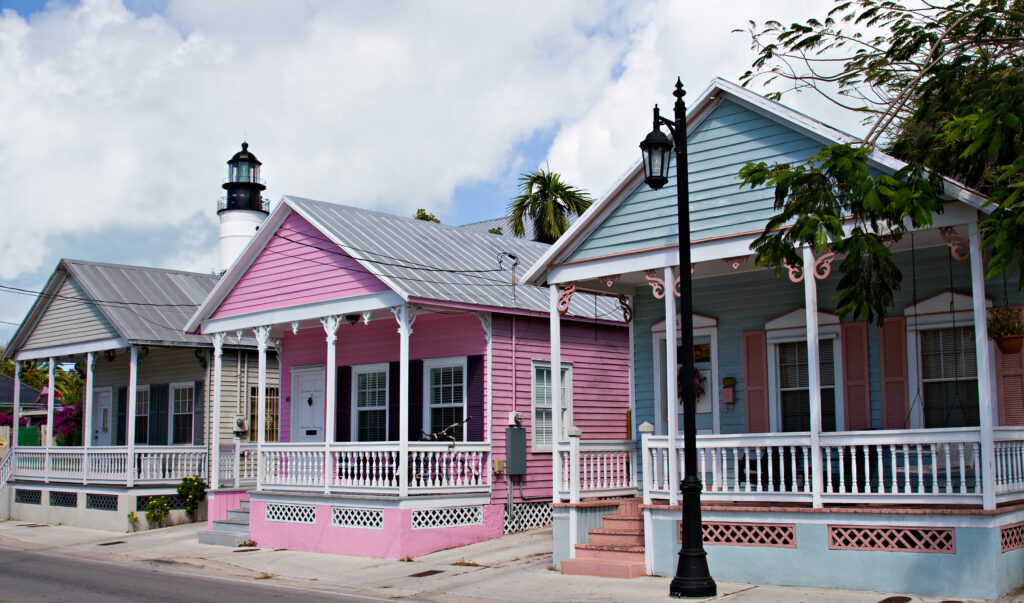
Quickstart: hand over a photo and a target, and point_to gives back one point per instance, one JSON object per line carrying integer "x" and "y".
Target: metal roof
{"x": 28, "y": 393}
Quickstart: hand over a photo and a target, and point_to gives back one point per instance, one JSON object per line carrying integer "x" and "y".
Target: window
{"x": 445, "y": 393}
{"x": 542, "y": 404}
{"x": 793, "y": 386}
{"x": 273, "y": 397}
{"x": 370, "y": 392}
{"x": 142, "y": 415}
{"x": 182, "y": 408}
{"x": 949, "y": 377}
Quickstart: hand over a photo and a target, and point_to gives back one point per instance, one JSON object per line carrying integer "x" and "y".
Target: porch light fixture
{"x": 692, "y": 579}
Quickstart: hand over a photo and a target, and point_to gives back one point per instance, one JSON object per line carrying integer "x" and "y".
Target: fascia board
{"x": 349, "y": 305}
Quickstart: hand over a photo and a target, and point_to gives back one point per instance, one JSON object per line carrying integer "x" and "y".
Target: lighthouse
{"x": 243, "y": 209}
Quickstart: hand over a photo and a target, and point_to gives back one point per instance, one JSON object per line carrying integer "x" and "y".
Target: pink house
{"x": 415, "y": 406}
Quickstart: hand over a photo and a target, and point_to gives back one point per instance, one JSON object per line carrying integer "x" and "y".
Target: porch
{"x": 108, "y": 465}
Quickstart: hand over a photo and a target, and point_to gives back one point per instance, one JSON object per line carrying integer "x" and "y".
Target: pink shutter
{"x": 856, "y": 390}
{"x": 892, "y": 339}
{"x": 1010, "y": 380}
{"x": 755, "y": 380}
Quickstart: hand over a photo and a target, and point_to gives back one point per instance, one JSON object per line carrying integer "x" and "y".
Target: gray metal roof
{"x": 28, "y": 393}
{"x": 440, "y": 262}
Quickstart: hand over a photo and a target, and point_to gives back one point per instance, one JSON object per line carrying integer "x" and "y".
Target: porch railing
{"x": 5, "y": 470}
{"x": 360, "y": 467}
{"x": 109, "y": 464}
{"x": 601, "y": 468}
{"x": 238, "y": 464}
{"x": 928, "y": 466}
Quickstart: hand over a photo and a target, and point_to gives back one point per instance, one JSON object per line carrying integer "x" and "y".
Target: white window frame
{"x": 171, "y": 413}
{"x": 435, "y": 363}
{"x": 143, "y": 389}
{"x": 567, "y": 417}
{"x": 380, "y": 367}
{"x": 781, "y": 330}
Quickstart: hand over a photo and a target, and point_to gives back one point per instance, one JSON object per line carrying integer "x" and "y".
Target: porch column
{"x": 90, "y": 361}
{"x": 813, "y": 374}
{"x": 672, "y": 387}
{"x": 405, "y": 316}
{"x": 330, "y": 324}
{"x": 556, "y": 394}
{"x": 49, "y": 417}
{"x": 15, "y": 421}
{"x": 262, "y": 335}
{"x": 129, "y": 438}
{"x": 984, "y": 359}
{"x": 218, "y": 352}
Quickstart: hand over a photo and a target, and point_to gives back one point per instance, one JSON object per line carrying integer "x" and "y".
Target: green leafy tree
{"x": 548, "y": 202}
{"x": 496, "y": 230}
{"x": 422, "y": 214}
{"x": 941, "y": 87}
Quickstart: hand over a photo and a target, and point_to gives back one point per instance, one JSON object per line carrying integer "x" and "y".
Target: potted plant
{"x": 1006, "y": 328}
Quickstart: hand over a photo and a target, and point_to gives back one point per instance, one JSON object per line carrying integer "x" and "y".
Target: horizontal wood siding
{"x": 239, "y": 376}
{"x": 726, "y": 140}
{"x": 70, "y": 318}
{"x": 298, "y": 266}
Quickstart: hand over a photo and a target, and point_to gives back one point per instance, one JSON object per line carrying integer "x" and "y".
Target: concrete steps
{"x": 616, "y": 550}
{"x": 230, "y": 531}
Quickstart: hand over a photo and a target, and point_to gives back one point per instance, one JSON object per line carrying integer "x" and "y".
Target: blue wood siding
{"x": 725, "y": 141}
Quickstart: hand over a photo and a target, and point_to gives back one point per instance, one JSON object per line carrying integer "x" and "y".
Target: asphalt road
{"x": 30, "y": 576}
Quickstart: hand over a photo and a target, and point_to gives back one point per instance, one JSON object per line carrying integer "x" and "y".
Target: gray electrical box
{"x": 515, "y": 451}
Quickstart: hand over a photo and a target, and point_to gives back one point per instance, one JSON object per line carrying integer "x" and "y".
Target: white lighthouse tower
{"x": 243, "y": 210}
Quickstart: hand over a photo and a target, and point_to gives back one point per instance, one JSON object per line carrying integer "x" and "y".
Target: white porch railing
{"x": 361, "y": 467}
{"x": 108, "y": 464}
{"x": 602, "y": 468}
{"x": 5, "y": 470}
{"x": 927, "y": 466}
{"x": 238, "y": 464}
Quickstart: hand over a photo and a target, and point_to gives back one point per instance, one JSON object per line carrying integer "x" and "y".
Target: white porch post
{"x": 984, "y": 359}
{"x": 218, "y": 352}
{"x": 487, "y": 322}
{"x": 672, "y": 387}
{"x": 15, "y": 421}
{"x": 129, "y": 438}
{"x": 405, "y": 316}
{"x": 813, "y": 374}
{"x": 556, "y": 394}
{"x": 262, "y": 334}
{"x": 49, "y": 417}
{"x": 330, "y": 324}
{"x": 90, "y": 361}
{"x": 574, "y": 490}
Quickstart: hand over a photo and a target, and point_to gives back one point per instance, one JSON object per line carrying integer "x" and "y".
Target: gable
{"x": 299, "y": 265}
{"x": 70, "y": 318}
{"x": 718, "y": 147}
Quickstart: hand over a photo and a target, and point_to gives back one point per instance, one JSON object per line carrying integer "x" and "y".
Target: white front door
{"x": 101, "y": 416}
{"x": 307, "y": 404}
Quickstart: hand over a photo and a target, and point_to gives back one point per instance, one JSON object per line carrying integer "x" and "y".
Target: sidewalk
{"x": 513, "y": 568}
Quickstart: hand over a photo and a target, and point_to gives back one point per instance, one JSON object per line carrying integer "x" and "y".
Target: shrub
{"x": 193, "y": 490}
{"x": 157, "y": 511}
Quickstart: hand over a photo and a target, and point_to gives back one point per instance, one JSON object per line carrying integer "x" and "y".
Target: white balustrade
{"x": 6, "y": 468}
{"x": 1009, "y": 453}
{"x": 436, "y": 467}
{"x": 238, "y": 463}
{"x": 169, "y": 463}
{"x": 109, "y": 464}
{"x": 293, "y": 466}
{"x": 605, "y": 468}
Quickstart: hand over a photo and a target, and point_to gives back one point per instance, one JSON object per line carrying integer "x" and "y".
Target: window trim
{"x": 534, "y": 365}
{"x": 434, "y": 363}
{"x": 829, "y": 327}
{"x": 171, "y": 414}
{"x": 149, "y": 405}
{"x": 379, "y": 367}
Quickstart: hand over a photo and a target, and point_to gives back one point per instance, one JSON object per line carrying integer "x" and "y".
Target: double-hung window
{"x": 542, "y": 404}
{"x": 142, "y": 415}
{"x": 370, "y": 393}
{"x": 949, "y": 377}
{"x": 794, "y": 385}
{"x": 445, "y": 393}
{"x": 182, "y": 410}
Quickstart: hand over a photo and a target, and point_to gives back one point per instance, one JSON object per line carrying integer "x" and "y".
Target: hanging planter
{"x": 1006, "y": 328}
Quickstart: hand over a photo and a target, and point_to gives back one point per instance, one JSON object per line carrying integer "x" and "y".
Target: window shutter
{"x": 475, "y": 398}
{"x": 394, "y": 407}
{"x": 1010, "y": 380}
{"x": 895, "y": 393}
{"x": 856, "y": 379}
{"x": 755, "y": 380}
{"x": 121, "y": 413}
{"x": 343, "y": 408}
{"x": 415, "y": 400}
{"x": 199, "y": 414}
{"x": 158, "y": 397}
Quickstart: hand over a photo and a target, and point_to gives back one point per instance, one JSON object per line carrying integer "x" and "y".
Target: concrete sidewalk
{"x": 513, "y": 568}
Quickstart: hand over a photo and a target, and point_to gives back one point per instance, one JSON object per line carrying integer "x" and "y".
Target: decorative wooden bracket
{"x": 735, "y": 262}
{"x": 565, "y": 297}
{"x": 822, "y": 268}
{"x": 627, "y": 310}
{"x": 610, "y": 279}
{"x": 658, "y": 284}
{"x": 956, "y": 243}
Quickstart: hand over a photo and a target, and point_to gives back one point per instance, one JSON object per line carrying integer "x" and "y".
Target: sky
{"x": 117, "y": 118}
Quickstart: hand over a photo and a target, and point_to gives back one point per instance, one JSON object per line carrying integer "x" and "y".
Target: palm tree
{"x": 546, "y": 200}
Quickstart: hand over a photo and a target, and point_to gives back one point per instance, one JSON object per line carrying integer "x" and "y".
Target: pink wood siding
{"x": 298, "y": 266}
{"x": 600, "y": 386}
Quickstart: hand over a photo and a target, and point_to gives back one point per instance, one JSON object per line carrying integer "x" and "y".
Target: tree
{"x": 496, "y": 230}
{"x": 942, "y": 88}
{"x": 547, "y": 201}
{"x": 422, "y": 214}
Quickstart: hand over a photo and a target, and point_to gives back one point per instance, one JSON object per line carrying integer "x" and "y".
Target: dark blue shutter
{"x": 343, "y": 410}
{"x": 393, "y": 400}
{"x": 158, "y": 395}
{"x": 415, "y": 400}
{"x": 475, "y": 398}
{"x": 199, "y": 415}
{"x": 121, "y": 428}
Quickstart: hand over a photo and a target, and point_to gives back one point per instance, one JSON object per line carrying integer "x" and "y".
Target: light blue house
{"x": 915, "y": 481}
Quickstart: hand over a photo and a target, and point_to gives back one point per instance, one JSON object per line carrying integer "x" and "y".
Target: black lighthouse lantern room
{"x": 243, "y": 185}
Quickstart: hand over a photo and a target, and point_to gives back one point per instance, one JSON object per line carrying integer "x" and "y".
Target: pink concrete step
{"x": 614, "y": 522}
{"x": 610, "y": 552}
{"x": 603, "y": 568}
{"x": 610, "y": 536}
{"x": 629, "y": 507}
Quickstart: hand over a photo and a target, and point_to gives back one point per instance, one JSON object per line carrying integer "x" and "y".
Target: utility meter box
{"x": 515, "y": 451}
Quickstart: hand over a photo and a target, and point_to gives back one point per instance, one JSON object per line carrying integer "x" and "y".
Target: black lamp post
{"x": 693, "y": 579}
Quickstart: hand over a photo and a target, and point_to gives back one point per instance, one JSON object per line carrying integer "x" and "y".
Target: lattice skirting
{"x": 448, "y": 517}
{"x": 101, "y": 502}
{"x": 291, "y": 513}
{"x": 1012, "y": 536}
{"x": 28, "y": 497}
{"x": 776, "y": 535}
{"x": 888, "y": 538}
{"x": 175, "y": 501}
{"x": 526, "y": 516}
{"x": 352, "y": 517}
{"x": 63, "y": 499}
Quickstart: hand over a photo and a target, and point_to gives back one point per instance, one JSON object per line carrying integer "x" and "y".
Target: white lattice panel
{"x": 448, "y": 517}
{"x": 527, "y": 516}
{"x": 290, "y": 513}
{"x": 351, "y": 517}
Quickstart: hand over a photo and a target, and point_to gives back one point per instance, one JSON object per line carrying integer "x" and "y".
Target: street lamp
{"x": 692, "y": 579}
